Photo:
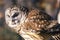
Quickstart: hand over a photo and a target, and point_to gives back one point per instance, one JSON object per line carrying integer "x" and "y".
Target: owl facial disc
{"x": 13, "y": 16}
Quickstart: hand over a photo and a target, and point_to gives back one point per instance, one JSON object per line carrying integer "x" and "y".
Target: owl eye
{"x": 15, "y": 15}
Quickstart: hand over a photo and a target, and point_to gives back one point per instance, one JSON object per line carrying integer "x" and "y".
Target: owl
{"x": 32, "y": 24}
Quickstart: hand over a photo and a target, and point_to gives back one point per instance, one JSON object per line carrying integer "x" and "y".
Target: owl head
{"x": 13, "y": 16}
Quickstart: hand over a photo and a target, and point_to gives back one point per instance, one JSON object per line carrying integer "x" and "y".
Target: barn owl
{"x": 30, "y": 25}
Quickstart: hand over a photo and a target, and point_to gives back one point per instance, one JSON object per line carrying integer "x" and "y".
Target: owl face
{"x": 13, "y": 16}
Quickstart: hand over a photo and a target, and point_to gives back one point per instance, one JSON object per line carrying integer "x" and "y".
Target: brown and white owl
{"x": 30, "y": 23}
{"x": 29, "y": 26}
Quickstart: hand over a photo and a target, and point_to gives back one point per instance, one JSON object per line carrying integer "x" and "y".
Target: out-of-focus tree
{"x": 1, "y": 2}
{"x": 1, "y": 15}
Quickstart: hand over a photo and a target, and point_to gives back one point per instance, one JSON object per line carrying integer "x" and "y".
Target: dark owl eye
{"x": 15, "y": 15}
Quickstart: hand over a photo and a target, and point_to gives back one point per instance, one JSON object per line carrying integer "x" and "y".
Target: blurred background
{"x": 50, "y": 6}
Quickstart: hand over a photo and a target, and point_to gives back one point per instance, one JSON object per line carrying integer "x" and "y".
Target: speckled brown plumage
{"x": 38, "y": 21}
